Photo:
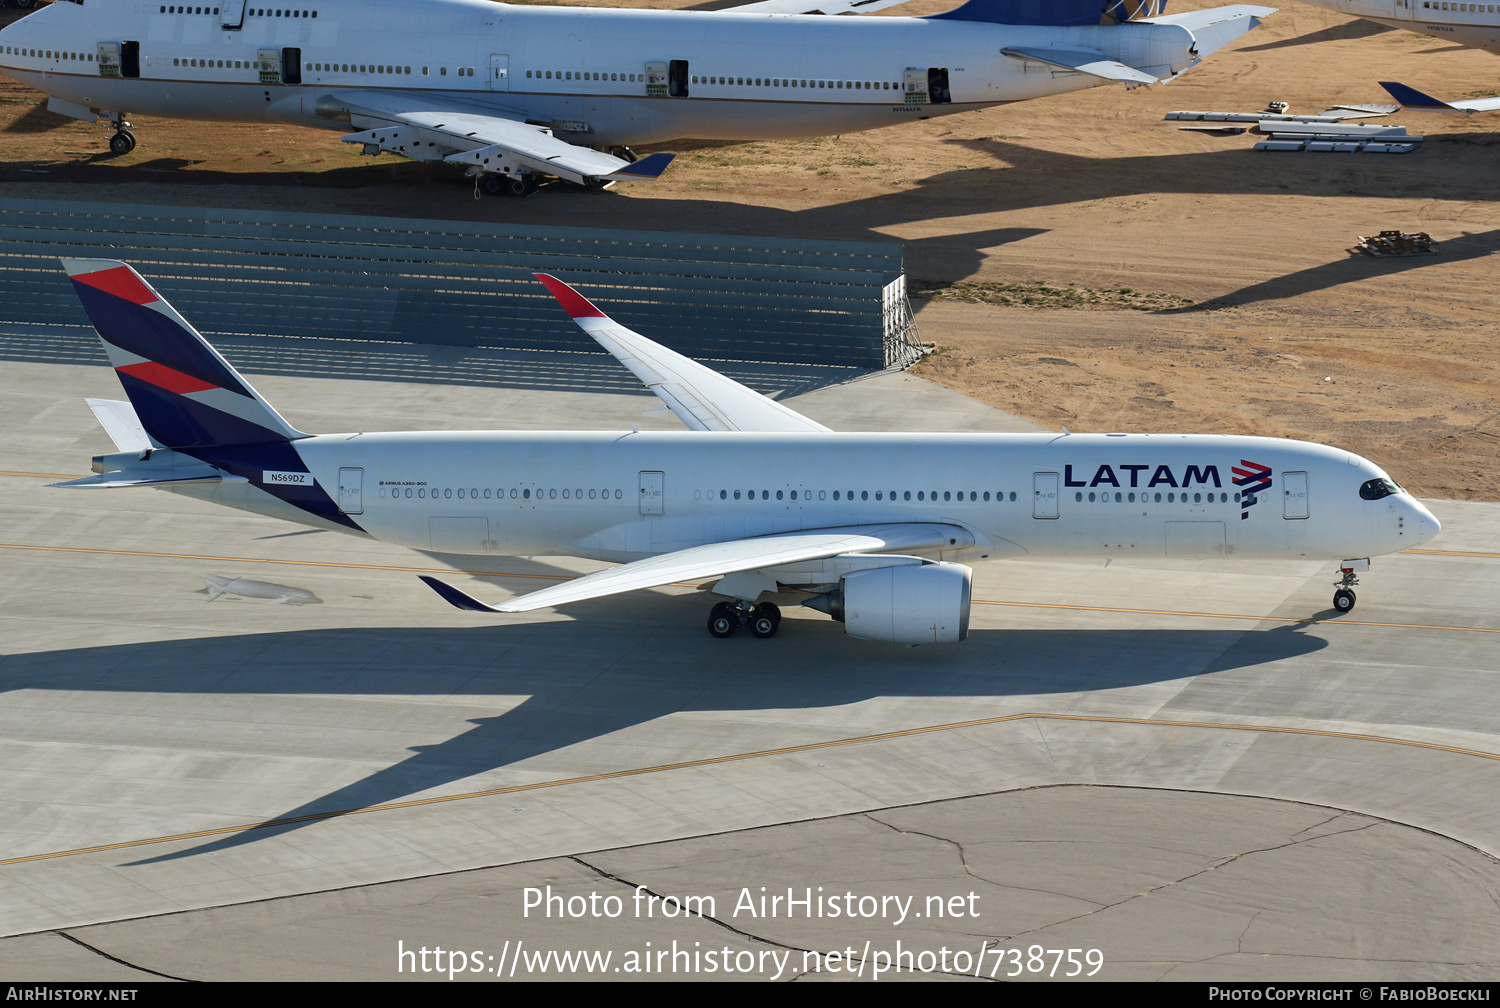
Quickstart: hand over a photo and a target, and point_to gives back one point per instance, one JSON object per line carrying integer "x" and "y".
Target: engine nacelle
{"x": 916, "y": 604}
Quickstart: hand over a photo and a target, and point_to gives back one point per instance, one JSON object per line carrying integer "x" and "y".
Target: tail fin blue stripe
{"x": 147, "y": 333}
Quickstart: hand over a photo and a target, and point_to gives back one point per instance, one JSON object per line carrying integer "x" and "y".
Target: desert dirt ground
{"x": 1258, "y": 319}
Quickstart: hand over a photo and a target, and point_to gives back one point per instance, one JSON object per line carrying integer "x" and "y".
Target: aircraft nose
{"x": 1425, "y": 522}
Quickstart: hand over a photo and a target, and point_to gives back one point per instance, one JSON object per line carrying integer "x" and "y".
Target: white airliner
{"x": 1469, "y": 24}
{"x": 875, "y": 529}
{"x": 513, "y": 93}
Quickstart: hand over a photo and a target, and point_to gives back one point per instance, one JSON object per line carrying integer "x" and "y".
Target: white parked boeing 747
{"x": 1468, "y": 24}
{"x": 874, "y": 528}
{"x": 513, "y": 93}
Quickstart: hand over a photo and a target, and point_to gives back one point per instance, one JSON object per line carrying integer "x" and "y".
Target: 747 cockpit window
{"x": 1377, "y": 488}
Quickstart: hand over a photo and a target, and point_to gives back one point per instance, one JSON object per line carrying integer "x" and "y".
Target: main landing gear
{"x": 725, "y": 618}
{"x": 520, "y": 186}
{"x": 123, "y": 142}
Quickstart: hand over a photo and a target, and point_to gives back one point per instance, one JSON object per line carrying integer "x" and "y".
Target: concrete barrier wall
{"x": 467, "y": 284}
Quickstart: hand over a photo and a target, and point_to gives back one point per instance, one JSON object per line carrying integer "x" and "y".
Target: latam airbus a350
{"x": 514, "y": 93}
{"x": 874, "y": 529}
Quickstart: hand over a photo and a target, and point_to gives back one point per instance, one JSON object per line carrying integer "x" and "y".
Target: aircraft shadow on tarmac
{"x": 571, "y": 698}
{"x": 1333, "y": 33}
{"x": 1348, "y": 270}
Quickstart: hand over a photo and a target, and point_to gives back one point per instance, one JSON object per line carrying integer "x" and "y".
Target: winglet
{"x": 649, "y": 167}
{"x": 454, "y": 597}
{"x": 575, "y": 304}
{"x": 1411, "y": 98}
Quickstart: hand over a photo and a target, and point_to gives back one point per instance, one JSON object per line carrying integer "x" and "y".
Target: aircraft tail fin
{"x": 182, "y": 393}
{"x": 1055, "y": 13}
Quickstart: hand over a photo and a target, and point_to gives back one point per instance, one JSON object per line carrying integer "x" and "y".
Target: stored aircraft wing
{"x": 701, "y": 398}
{"x": 1411, "y": 98}
{"x": 431, "y": 127}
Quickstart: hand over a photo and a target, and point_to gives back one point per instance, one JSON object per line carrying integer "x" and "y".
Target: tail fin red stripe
{"x": 120, "y": 281}
{"x": 164, "y": 377}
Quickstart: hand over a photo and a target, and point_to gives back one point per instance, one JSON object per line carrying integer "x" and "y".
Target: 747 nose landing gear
{"x": 727, "y": 617}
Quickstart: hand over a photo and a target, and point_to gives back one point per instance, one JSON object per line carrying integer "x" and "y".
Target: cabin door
{"x": 499, "y": 72}
{"x": 1044, "y": 494}
{"x": 653, "y": 493}
{"x": 1294, "y": 503}
{"x": 351, "y": 491}
{"x": 232, "y": 14}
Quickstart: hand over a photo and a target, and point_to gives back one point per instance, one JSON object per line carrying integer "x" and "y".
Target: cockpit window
{"x": 1377, "y": 488}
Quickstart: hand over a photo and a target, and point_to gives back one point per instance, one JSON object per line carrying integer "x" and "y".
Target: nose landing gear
{"x": 727, "y": 617}
{"x": 1343, "y": 596}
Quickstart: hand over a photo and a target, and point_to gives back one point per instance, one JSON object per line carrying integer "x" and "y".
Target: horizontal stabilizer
{"x": 1417, "y": 101}
{"x": 1215, "y": 28}
{"x": 121, "y": 424}
{"x": 114, "y": 480}
{"x": 698, "y": 563}
{"x": 1089, "y": 61}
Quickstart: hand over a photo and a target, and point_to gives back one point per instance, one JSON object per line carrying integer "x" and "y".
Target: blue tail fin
{"x": 184, "y": 393}
{"x": 1059, "y": 13}
{"x": 187, "y": 397}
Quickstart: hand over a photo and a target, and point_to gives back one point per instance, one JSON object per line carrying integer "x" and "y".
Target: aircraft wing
{"x": 701, "y": 398}
{"x": 436, "y": 128}
{"x": 1417, "y": 101}
{"x": 700, "y": 562}
{"x": 813, "y": 6}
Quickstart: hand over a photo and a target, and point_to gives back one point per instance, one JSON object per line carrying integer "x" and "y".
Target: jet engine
{"x": 925, "y": 603}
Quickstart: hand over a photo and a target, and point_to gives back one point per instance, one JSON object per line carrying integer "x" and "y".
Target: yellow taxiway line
{"x": 739, "y": 757}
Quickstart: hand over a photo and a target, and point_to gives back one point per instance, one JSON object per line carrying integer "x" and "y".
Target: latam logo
{"x": 1161, "y": 476}
{"x": 1253, "y": 479}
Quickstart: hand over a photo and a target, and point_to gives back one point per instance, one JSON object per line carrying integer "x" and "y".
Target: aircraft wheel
{"x": 1343, "y": 600}
{"x": 494, "y": 184}
{"x": 723, "y": 620}
{"x": 624, "y": 154}
{"x": 123, "y": 142}
{"x": 521, "y": 185}
{"x": 765, "y": 620}
{"x": 25, "y": 4}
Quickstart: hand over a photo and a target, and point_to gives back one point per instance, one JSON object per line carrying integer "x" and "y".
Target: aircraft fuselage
{"x": 623, "y": 496}
{"x": 596, "y": 77}
{"x": 1469, "y": 24}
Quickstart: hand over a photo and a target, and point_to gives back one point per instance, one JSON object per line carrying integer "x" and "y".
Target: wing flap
{"x": 698, "y": 563}
{"x": 700, "y": 397}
